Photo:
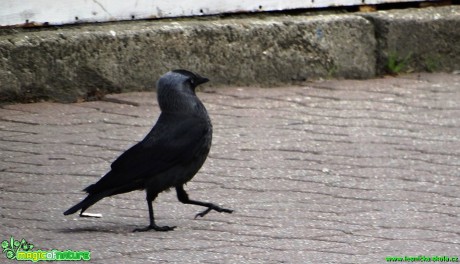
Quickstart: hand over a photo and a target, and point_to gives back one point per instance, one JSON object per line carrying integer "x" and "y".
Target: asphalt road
{"x": 339, "y": 171}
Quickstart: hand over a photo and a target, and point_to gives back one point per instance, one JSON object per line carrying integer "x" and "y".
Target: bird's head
{"x": 180, "y": 80}
{"x": 176, "y": 89}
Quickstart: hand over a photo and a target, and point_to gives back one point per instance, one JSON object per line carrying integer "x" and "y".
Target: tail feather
{"x": 108, "y": 185}
{"x": 86, "y": 203}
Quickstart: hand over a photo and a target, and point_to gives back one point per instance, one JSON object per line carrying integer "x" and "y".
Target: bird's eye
{"x": 192, "y": 82}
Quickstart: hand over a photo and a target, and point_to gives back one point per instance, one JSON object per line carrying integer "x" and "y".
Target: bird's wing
{"x": 173, "y": 140}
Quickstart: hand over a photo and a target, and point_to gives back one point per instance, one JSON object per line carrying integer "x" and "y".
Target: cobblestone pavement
{"x": 330, "y": 172}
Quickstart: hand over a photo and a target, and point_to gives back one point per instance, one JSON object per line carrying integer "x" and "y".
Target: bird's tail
{"x": 91, "y": 199}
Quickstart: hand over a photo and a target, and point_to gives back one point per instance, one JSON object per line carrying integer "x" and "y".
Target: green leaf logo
{"x": 10, "y": 248}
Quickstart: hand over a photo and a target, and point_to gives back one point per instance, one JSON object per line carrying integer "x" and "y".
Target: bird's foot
{"x": 215, "y": 208}
{"x": 155, "y": 227}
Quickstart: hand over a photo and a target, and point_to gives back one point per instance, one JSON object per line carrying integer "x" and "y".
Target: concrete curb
{"x": 85, "y": 62}
{"x": 428, "y": 38}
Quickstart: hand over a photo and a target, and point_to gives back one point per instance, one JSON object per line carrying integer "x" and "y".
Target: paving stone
{"x": 328, "y": 172}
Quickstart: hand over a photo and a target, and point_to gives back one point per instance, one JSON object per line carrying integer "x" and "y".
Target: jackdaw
{"x": 169, "y": 156}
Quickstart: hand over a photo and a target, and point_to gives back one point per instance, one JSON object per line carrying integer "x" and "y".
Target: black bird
{"x": 169, "y": 156}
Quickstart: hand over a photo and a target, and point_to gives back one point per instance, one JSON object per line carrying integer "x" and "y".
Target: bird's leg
{"x": 183, "y": 197}
{"x": 152, "y": 220}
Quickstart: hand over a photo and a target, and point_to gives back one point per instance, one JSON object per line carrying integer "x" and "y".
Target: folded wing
{"x": 174, "y": 139}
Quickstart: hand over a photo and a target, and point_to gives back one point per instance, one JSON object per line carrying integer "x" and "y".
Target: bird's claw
{"x": 216, "y": 208}
{"x": 205, "y": 212}
{"x": 156, "y": 228}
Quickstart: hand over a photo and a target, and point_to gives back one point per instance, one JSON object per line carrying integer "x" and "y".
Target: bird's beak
{"x": 201, "y": 80}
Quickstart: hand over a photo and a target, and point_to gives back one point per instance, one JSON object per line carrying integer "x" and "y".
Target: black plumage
{"x": 169, "y": 156}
